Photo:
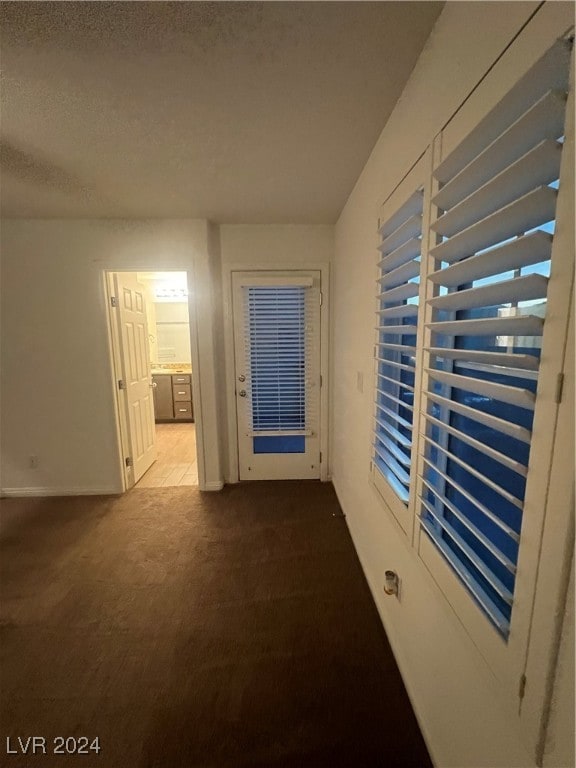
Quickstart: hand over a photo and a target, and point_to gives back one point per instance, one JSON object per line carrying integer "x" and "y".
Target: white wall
{"x": 276, "y": 245}
{"x": 57, "y": 391}
{"x": 457, "y": 700}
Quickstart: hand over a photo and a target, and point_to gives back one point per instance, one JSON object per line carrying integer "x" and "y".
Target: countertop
{"x": 169, "y": 370}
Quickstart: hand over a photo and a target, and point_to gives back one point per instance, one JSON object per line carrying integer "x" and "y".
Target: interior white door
{"x": 277, "y": 368}
{"x": 134, "y": 354}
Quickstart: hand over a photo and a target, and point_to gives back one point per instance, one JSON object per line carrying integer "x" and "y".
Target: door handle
{"x": 242, "y": 393}
{"x": 153, "y": 385}
{"x": 241, "y": 377}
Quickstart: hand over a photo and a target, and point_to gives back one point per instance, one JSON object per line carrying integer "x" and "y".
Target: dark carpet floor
{"x": 197, "y": 631}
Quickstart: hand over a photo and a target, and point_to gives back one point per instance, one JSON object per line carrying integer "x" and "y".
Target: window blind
{"x": 398, "y": 304}
{"x": 280, "y": 324}
{"x": 494, "y": 227}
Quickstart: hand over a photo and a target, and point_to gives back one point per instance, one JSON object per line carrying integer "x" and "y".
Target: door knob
{"x": 154, "y": 385}
{"x": 241, "y": 377}
{"x": 242, "y": 393}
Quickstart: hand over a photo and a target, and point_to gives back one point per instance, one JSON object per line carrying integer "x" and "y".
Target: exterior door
{"x": 277, "y": 367}
{"x": 136, "y": 371}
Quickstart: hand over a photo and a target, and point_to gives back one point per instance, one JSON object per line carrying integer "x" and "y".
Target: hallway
{"x": 193, "y": 629}
{"x": 176, "y": 463}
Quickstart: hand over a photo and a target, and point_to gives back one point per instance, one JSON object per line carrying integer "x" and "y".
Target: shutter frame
{"x": 473, "y": 251}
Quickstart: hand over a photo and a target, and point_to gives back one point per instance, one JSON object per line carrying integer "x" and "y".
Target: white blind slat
{"x": 395, "y": 364}
{"x": 502, "y": 458}
{"x": 404, "y": 310}
{"x": 502, "y": 292}
{"x": 391, "y": 446}
{"x": 400, "y": 275}
{"x": 401, "y": 403}
{"x": 411, "y": 228}
{"x": 395, "y": 433}
{"x": 550, "y": 73}
{"x": 401, "y": 293}
{"x": 488, "y": 605}
{"x": 393, "y": 379}
{"x": 486, "y": 542}
{"x": 504, "y": 359}
{"x": 531, "y": 210}
{"x": 524, "y": 251}
{"x": 406, "y": 252}
{"x": 544, "y": 120}
{"x": 383, "y": 409}
{"x": 478, "y": 475}
{"x": 523, "y": 398}
{"x": 409, "y": 208}
{"x": 398, "y": 330}
{"x": 492, "y": 422}
{"x": 462, "y": 545}
{"x": 538, "y": 167}
{"x": 524, "y": 325}
{"x": 401, "y": 348}
{"x": 473, "y": 500}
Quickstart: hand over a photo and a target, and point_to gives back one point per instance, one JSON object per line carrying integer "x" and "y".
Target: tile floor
{"x": 176, "y": 457}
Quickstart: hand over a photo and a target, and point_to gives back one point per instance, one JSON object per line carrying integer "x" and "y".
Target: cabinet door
{"x": 163, "y": 406}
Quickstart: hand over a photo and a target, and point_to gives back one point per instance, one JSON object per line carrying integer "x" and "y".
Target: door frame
{"x": 114, "y": 349}
{"x": 232, "y": 416}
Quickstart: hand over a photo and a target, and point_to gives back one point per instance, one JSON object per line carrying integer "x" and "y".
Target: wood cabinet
{"x": 173, "y": 397}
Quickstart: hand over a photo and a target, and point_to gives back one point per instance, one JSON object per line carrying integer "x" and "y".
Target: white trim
{"x": 122, "y": 441}
{"x": 507, "y": 659}
{"x": 39, "y": 491}
{"x": 215, "y": 485}
{"x": 122, "y": 437}
{"x": 196, "y": 379}
{"x": 228, "y": 269}
{"x": 297, "y": 282}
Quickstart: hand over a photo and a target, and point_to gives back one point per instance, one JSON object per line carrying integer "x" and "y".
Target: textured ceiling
{"x": 235, "y": 112}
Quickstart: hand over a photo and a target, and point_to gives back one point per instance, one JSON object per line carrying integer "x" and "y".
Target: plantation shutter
{"x": 398, "y": 286}
{"x": 494, "y": 229}
{"x": 281, "y": 325}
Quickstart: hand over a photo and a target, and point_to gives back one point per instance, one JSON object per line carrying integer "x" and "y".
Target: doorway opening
{"x": 153, "y": 368}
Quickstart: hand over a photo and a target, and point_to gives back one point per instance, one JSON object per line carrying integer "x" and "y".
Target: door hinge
{"x": 128, "y": 461}
{"x": 320, "y": 381}
{"x": 320, "y": 457}
{"x": 113, "y": 301}
{"x": 559, "y": 388}
{"x": 522, "y": 687}
{"x": 320, "y": 298}
{"x": 121, "y": 384}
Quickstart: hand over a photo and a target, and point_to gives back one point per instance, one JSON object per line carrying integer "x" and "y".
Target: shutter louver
{"x": 397, "y": 325}
{"x": 495, "y": 226}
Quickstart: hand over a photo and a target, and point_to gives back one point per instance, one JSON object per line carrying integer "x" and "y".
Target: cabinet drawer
{"x": 183, "y": 410}
{"x": 181, "y": 392}
{"x": 181, "y": 378}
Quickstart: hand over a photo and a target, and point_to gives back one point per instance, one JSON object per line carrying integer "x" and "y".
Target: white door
{"x": 277, "y": 367}
{"x": 134, "y": 354}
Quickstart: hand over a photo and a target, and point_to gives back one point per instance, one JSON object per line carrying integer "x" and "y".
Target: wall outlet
{"x": 33, "y": 462}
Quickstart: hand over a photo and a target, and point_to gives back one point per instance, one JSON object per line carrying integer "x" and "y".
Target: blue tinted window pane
{"x": 280, "y": 444}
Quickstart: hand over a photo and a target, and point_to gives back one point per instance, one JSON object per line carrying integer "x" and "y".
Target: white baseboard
{"x": 214, "y": 485}
{"x": 38, "y": 491}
